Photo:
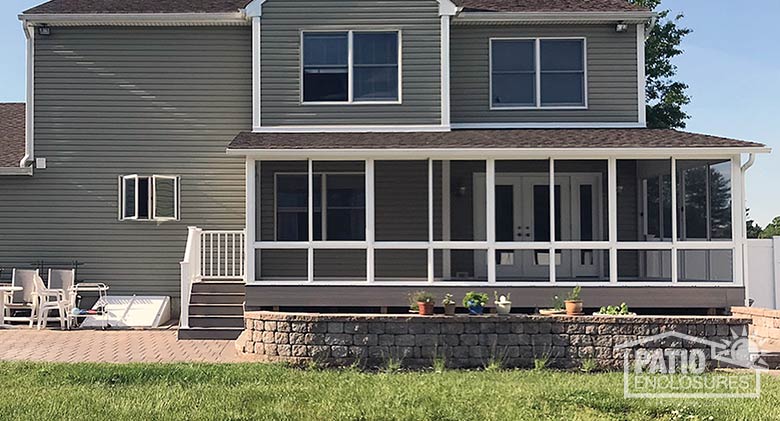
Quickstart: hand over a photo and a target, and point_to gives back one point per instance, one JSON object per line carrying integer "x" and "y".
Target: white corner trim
{"x": 256, "y": 71}
{"x": 29, "y": 145}
{"x": 445, "y": 70}
{"x": 641, "y": 77}
{"x": 349, "y": 129}
{"x": 447, "y": 8}
{"x": 562, "y": 125}
{"x": 136, "y": 19}
{"x": 254, "y": 9}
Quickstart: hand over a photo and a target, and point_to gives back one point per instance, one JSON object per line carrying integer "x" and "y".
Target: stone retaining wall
{"x": 765, "y": 329}
{"x": 468, "y": 341}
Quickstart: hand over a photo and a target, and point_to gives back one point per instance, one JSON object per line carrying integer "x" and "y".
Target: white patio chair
{"x": 64, "y": 280}
{"x": 27, "y": 298}
{"x": 51, "y": 299}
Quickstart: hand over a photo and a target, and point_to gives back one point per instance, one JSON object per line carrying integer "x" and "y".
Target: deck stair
{"x": 212, "y": 285}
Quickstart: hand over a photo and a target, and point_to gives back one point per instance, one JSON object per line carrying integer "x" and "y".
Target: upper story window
{"x": 152, "y": 198}
{"x": 537, "y": 73}
{"x": 351, "y": 67}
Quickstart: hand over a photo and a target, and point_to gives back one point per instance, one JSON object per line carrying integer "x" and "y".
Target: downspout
{"x": 29, "y": 151}
{"x": 745, "y": 270}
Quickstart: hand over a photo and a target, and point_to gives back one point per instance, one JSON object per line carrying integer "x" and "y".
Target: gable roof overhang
{"x": 502, "y": 144}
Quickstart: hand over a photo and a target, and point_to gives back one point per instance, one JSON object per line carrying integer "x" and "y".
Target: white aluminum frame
{"x": 538, "y": 74}
{"x": 490, "y": 245}
{"x": 350, "y": 67}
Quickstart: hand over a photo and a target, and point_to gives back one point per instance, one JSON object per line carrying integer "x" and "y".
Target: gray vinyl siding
{"x": 611, "y": 67}
{"x": 116, "y": 101}
{"x": 282, "y": 23}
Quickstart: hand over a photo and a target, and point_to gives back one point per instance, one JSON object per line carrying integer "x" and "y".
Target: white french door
{"x": 523, "y": 215}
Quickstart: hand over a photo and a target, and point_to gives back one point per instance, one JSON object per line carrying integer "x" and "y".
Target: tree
{"x": 771, "y": 230}
{"x": 666, "y": 96}
{"x": 753, "y": 229}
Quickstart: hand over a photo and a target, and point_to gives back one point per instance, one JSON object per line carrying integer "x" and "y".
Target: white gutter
{"x": 29, "y": 151}
{"x": 554, "y": 17}
{"x": 136, "y": 19}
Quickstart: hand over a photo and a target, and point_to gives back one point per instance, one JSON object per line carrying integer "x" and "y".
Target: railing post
{"x": 190, "y": 269}
{"x": 184, "y": 306}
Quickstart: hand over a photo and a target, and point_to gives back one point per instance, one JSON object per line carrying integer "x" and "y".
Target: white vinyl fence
{"x": 764, "y": 272}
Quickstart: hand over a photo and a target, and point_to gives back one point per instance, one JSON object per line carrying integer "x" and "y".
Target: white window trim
{"x": 538, "y": 70}
{"x": 176, "y": 197}
{"x": 323, "y": 204}
{"x": 350, "y": 68}
{"x": 150, "y": 179}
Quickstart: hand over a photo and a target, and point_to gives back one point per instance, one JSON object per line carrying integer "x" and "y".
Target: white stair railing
{"x": 190, "y": 272}
{"x": 209, "y": 255}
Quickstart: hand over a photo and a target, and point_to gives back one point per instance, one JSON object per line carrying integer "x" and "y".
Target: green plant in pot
{"x": 573, "y": 302}
{"x": 425, "y": 302}
{"x": 557, "y": 307}
{"x": 449, "y": 305}
{"x": 475, "y": 302}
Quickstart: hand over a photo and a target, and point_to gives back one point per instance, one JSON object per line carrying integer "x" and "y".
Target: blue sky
{"x": 731, "y": 62}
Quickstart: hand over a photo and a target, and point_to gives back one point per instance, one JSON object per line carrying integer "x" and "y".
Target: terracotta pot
{"x": 449, "y": 309}
{"x": 425, "y": 309}
{"x": 573, "y": 308}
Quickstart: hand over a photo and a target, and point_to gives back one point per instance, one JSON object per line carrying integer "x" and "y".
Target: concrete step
{"x": 217, "y": 298}
{"x": 223, "y": 287}
{"x": 216, "y": 309}
{"x": 217, "y": 321}
{"x": 210, "y": 333}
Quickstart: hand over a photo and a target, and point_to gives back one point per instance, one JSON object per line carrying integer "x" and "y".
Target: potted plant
{"x": 475, "y": 302}
{"x": 449, "y": 305}
{"x": 621, "y": 310}
{"x": 503, "y": 305}
{"x": 557, "y": 307}
{"x": 424, "y": 302}
{"x": 573, "y": 302}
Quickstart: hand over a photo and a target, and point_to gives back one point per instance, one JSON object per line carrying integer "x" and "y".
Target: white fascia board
{"x": 554, "y": 17}
{"x": 16, "y": 171}
{"x": 349, "y": 129}
{"x": 136, "y": 19}
{"x": 559, "y": 125}
{"x": 497, "y": 153}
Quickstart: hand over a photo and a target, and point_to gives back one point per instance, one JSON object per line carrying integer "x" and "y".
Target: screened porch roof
{"x": 493, "y": 139}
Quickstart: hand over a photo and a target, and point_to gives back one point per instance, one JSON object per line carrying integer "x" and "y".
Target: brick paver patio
{"x": 118, "y": 346}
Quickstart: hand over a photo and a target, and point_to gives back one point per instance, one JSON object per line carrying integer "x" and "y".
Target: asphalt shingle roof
{"x": 12, "y": 117}
{"x": 228, "y": 6}
{"x": 489, "y": 139}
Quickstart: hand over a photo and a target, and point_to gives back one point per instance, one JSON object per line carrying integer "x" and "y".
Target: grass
{"x": 277, "y": 392}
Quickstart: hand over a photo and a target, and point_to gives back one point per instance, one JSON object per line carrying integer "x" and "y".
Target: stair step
{"x": 217, "y": 298}
{"x": 217, "y": 309}
{"x": 217, "y": 321}
{"x": 218, "y": 287}
{"x": 212, "y": 333}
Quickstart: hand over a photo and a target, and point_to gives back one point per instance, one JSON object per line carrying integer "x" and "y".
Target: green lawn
{"x": 258, "y": 391}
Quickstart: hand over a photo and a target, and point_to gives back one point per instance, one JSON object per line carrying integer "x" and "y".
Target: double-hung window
{"x": 351, "y": 66}
{"x": 537, "y": 73}
{"x": 338, "y": 208}
{"x": 149, "y": 198}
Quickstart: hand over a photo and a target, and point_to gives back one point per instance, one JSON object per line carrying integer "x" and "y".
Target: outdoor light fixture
{"x": 44, "y": 30}
{"x": 621, "y": 27}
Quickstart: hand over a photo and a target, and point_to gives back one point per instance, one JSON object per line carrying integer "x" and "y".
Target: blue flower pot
{"x": 476, "y": 310}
